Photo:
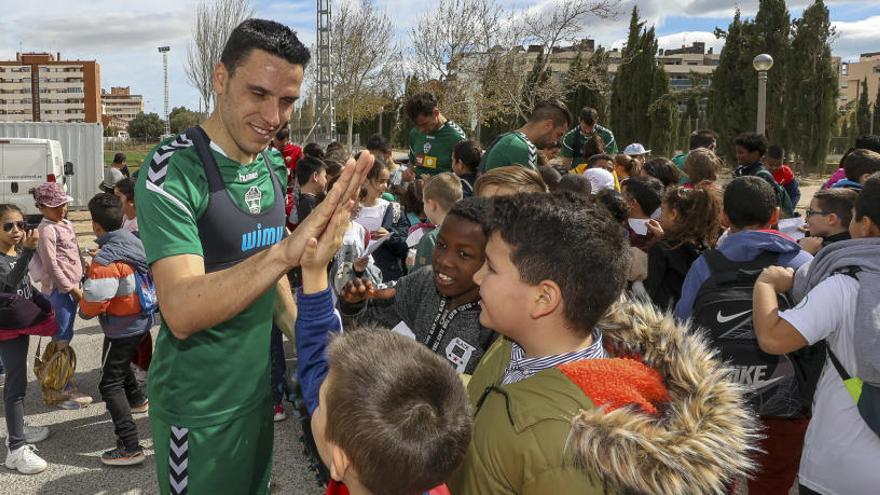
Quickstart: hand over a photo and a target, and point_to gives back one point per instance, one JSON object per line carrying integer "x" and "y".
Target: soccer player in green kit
{"x": 433, "y": 138}
{"x": 211, "y": 211}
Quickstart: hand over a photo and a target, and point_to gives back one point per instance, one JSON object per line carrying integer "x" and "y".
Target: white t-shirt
{"x": 371, "y": 216}
{"x": 355, "y": 236}
{"x": 841, "y": 454}
{"x": 130, "y": 224}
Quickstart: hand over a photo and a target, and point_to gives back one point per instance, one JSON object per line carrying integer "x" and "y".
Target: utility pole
{"x": 164, "y": 51}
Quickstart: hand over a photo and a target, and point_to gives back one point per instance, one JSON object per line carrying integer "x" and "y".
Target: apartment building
{"x": 120, "y": 104}
{"x": 41, "y": 87}
{"x": 851, "y": 75}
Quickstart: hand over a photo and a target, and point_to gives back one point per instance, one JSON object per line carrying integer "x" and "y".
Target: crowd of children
{"x": 509, "y": 322}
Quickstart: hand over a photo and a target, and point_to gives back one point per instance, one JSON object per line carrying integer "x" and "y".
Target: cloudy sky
{"x": 123, "y": 36}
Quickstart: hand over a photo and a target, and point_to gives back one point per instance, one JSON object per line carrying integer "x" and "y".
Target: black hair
{"x": 868, "y": 142}
{"x": 261, "y": 34}
{"x": 575, "y": 184}
{"x": 333, "y": 147}
{"x": 861, "y": 162}
{"x": 542, "y": 228}
{"x": 283, "y": 134}
{"x": 702, "y": 138}
{"x": 378, "y": 165}
{"x": 106, "y": 211}
{"x": 589, "y": 116}
{"x": 379, "y": 143}
{"x": 868, "y": 202}
{"x": 775, "y": 151}
{"x": 614, "y": 202}
{"x": 752, "y": 141}
{"x": 314, "y": 150}
{"x": 126, "y": 187}
{"x": 664, "y": 170}
{"x": 119, "y": 158}
{"x": 647, "y": 191}
{"x": 473, "y": 209}
{"x": 469, "y": 153}
{"x": 334, "y": 168}
{"x": 420, "y": 104}
{"x": 551, "y": 176}
{"x": 598, "y": 157}
{"x": 306, "y": 166}
{"x": 552, "y": 110}
{"x": 749, "y": 201}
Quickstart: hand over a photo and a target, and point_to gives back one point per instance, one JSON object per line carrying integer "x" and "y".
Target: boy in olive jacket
{"x": 584, "y": 393}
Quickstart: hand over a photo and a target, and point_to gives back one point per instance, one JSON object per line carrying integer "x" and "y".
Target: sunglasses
{"x": 7, "y": 227}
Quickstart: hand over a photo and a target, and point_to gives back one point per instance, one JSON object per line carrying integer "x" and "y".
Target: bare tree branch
{"x": 214, "y": 21}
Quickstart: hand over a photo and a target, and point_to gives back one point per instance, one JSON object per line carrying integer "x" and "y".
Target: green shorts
{"x": 234, "y": 457}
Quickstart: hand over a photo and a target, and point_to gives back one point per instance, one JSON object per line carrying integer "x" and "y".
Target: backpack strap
{"x": 725, "y": 270}
{"x": 839, "y": 367}
{"x": 850, "y": 271}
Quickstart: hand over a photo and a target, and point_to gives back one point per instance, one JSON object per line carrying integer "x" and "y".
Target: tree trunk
{"x": 350, "y": 131}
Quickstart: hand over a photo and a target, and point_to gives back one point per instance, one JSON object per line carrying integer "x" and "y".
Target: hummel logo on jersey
{"x": 247, "y": 177}
{"x": 753, "y": 376}
{"x": 724, "y": 319}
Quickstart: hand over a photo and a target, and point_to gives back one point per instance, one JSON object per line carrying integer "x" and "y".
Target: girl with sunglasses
{"x": 17, "y": 247}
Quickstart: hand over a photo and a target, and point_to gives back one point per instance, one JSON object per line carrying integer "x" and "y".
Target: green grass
{"x": 135, "y": 154}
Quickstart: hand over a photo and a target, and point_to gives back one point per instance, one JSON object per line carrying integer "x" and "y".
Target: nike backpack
{"x": 779, "y": 386}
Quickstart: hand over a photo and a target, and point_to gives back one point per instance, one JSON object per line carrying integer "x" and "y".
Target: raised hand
{"x": 332, "y": 214}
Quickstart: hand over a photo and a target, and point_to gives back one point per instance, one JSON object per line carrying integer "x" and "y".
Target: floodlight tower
{"x": 164, "y": 51}
{"x": 326, "y": 113}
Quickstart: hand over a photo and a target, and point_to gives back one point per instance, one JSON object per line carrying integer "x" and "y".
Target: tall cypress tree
{"x": 631, "y": 89}
{"x": 770, "y": 33}
{"x": 812, "y": 83}
{"x": 662, "y": 115}
{"x": 730, "y": 112}
{"x": 863, "y": 110}
{"x": 876, "y": 128}
{"x": 587, "y": 82}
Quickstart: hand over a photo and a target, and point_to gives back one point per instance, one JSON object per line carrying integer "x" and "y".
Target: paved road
{"x": 79, "y": 437}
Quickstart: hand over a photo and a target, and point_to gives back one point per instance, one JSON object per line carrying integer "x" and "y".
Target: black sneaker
{"x": 122, "y": 457}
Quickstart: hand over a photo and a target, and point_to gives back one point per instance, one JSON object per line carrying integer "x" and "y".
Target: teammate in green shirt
{"x": 433, "y": 138}
{"x": 574, "y": 140}
{"x": 546, "y": 125}
{"x": 214, "y": 237}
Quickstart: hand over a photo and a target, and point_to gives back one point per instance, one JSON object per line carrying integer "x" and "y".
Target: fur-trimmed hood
{"x": 699, "y": 435}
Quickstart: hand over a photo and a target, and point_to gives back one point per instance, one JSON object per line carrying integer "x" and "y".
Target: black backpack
{"x": 780, "y": 386}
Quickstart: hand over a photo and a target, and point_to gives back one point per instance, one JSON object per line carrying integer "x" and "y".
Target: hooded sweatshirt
{"x": 110, "y": 292}
{"x": 745, "y": 245}
{"x": 659, "y": 416}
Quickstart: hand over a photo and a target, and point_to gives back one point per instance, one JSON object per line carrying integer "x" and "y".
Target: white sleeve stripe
{"x": 167, "y": 195}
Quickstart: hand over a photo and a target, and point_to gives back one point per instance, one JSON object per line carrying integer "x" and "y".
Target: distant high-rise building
{"x": 40, "y": 87}
{"x": 120, "y": 105}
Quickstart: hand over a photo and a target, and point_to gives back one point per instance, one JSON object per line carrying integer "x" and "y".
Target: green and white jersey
{"x": 574, "y": 140}
{"x": 513, "y": 148}
{"x": 432, "y": 153}
{"x": 222, "y": 372}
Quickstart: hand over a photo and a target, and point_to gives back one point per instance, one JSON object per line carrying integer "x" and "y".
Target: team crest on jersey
{"x": 252, "y": 199}
{"x": 427, "y": 147}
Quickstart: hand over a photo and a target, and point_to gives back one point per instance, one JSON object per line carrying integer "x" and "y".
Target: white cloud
{"x": 856, "y": 37}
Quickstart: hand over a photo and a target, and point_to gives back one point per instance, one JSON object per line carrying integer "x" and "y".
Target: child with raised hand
{"x": 585, "y": 393}
{"x": 837, "y": 295}
{"x": 689, "y": 224}
{"x": 24, "y": 312}
{"x": 437, "y": 305}
{"x": 372, "y": 391}
{"x": 828, "y": 218}
{"x": 60, "y": 275}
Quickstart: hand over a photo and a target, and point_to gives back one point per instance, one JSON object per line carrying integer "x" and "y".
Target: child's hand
{"x": 360, "y": 264}
{"x": 811, "y": 245}
{"x": 30, "y": 239}
{"x": 356, "y": 290}
{"x": 781, "y": 279}
{"x": 378, "y": 233}
{"x": 655, "y": 228}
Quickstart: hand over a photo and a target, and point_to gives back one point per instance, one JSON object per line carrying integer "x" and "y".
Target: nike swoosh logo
{"x": 764, "y": 384}
{"x": 724, "y": 319}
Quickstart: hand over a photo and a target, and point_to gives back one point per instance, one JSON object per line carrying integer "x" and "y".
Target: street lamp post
{"x": 164, "y": 51}
{"x": 762, "y": 63}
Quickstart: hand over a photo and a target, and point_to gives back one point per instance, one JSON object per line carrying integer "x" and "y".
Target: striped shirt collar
{"x": 521, "y": 367}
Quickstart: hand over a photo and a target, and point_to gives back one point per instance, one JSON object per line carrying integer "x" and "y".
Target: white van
{"x": 26, "y": 163}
